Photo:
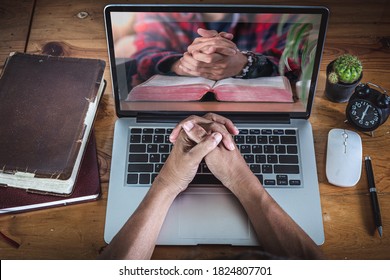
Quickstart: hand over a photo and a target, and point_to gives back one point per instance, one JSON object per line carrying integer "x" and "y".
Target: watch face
{"x": 363, "y": 114}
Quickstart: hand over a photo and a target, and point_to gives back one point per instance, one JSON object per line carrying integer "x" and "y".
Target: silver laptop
{"x": 269, "y": 99}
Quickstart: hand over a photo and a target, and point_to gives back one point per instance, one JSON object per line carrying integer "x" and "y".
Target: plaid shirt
{"x": 162, "y": 39}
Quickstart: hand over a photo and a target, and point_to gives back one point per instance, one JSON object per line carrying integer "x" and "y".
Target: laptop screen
{"x": 236, "y": 59}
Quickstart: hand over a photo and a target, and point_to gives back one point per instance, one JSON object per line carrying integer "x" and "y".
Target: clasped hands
{"x": 213, "y": 56}
{"x": 209, "y": 138}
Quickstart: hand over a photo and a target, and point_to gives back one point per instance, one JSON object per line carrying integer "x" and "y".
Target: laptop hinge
{"x": 269, "y": 119}
{"x": 236, "y": 118}
{"x": 160, "y": 118}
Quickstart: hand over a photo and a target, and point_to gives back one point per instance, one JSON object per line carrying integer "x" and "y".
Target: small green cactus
{"x": 333, "y": 78}
{"x": 348, "y": 68}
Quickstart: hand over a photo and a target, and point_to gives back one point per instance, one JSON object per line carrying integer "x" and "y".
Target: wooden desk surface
{"x": 76, "y": 232}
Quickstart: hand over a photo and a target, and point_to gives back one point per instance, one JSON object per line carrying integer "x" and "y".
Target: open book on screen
{"x": 181, "y": 88}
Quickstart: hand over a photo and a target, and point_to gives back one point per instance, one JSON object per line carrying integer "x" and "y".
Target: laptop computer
{"x": 283, "y": 46}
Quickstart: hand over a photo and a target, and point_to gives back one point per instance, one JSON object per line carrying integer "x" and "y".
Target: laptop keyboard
{"x": 271, "y": 154}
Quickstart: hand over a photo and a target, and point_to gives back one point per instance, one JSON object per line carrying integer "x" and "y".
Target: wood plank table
{"x": 76, "y": 28}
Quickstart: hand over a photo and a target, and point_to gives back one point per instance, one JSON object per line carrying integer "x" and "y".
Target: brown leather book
{"x": 87, "y": 188}
{"x": 47, "y": 109}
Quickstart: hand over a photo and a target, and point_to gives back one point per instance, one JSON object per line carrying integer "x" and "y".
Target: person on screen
{"x": 213, "y": 46}
{"x": 209, "y": 138}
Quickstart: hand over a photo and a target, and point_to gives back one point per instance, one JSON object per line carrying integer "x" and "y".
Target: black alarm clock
{"x": 368, "y": 108}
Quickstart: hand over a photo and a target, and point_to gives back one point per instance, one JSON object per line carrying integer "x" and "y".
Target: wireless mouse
{"x": 344, "y": 157}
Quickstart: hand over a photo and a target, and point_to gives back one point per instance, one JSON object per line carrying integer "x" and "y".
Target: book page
{"x": 263, "y": 89}
{"x": 171, "y": 88}
{"x": 163, "y": 80}
{"x": 275, "y": 82}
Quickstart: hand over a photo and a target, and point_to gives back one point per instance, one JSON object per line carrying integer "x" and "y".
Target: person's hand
{"x": 213, "y": 56}
{"x": 211, "y": 66}
{"x": 182, "y": 163}
{"x": 227, "y": 165}
{"x": 211, "y": 123}
{"x": 210, "y": 41}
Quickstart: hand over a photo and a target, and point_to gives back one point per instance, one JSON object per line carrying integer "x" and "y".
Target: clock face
{"x": 363, "y": 114}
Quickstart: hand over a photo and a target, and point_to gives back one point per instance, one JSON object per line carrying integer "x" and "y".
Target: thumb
{"x": 206, "y": 146}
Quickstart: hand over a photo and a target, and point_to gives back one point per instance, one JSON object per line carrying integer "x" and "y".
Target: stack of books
{"x": 47, "y": 148}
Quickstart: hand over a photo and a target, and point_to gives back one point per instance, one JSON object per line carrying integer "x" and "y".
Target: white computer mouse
{"x": 344, "y": 157}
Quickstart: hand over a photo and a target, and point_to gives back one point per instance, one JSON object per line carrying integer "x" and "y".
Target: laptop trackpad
{"x": 212, "y": 215}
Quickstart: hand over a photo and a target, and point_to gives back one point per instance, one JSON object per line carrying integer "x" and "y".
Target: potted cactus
{"x": 343, "y": 75}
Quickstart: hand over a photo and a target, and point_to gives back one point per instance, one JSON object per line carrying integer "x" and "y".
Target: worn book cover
{"x": 181, "y": 88}
{"x": 87, "y": 188}
{"x": 47, "y": 109}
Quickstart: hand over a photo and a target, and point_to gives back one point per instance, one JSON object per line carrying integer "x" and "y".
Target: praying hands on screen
{"x": 213, "y": 56}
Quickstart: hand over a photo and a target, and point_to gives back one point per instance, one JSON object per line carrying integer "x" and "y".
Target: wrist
{"x": 166, "y": 188}
{"x": 250, "y": 59}
{"x": 241, "y": 177}
{"x": 248, "y": 189}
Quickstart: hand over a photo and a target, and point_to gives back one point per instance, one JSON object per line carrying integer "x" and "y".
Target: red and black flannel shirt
{"x": 162, "y": 38}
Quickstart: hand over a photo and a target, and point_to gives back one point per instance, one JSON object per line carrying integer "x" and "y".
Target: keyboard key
{"x": 266, "y": 168}
{"x": 262, "y": 140}
{"x": 157, "y": 167}
{"x": 286, "y": 169}
{"x": 266, "y": 131}
{"x": 273, "y": 139}
{"x": 255, "y": 168}
{"x": 146, "y": 138}
{"x": 136, "y": 130}
{"x": 245, "y": 149}
{"x": 259, "y": 177}
{"x": 143, "y": 167}
{"x": 250, "y": 139}
{"x": 144, "y": 178}
{"x": 288, "y": 140}
{"x": 292, "y": 149}
{"x": 137, "y": 148}
{"x": 239, "y": 139}
{"x": 261, "y": 159}
{"x": 254, "y": 131}
{"x": 205, "y": 179}
{"x": 278, "y": 131}
{"x": 282, "y": 180}
{"x": 164, "y": 157}
{"x": 154, "y": 158}
{"x": 295, "y": 182}
{"x": 290, "y": 132}
{"x": 280, "y": 149}
{"x": 272, "y": 159}
{"x": 288, "y": 159}
{"x": 135, "y": 138}
{"x": 249, "y": 158}
{"x": 243, "y": 131}
{"x": 269, "y": 182}
{"x": 151, "y": 148}
{"x": 159, "y": 131}
{"x": 269, "y": 149}
{"x": 163, "y": 148}
{"x": 257, "y": 149}
{"x": 205, "y": 168}
{"x": 147, "y": 131}
{"x": 132, "y": 178}
{"x": 158, "y": 139}
{"x": 138, "y": 158}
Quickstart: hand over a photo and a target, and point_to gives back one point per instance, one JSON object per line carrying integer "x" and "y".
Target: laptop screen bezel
{"x": 320, "y": 10}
